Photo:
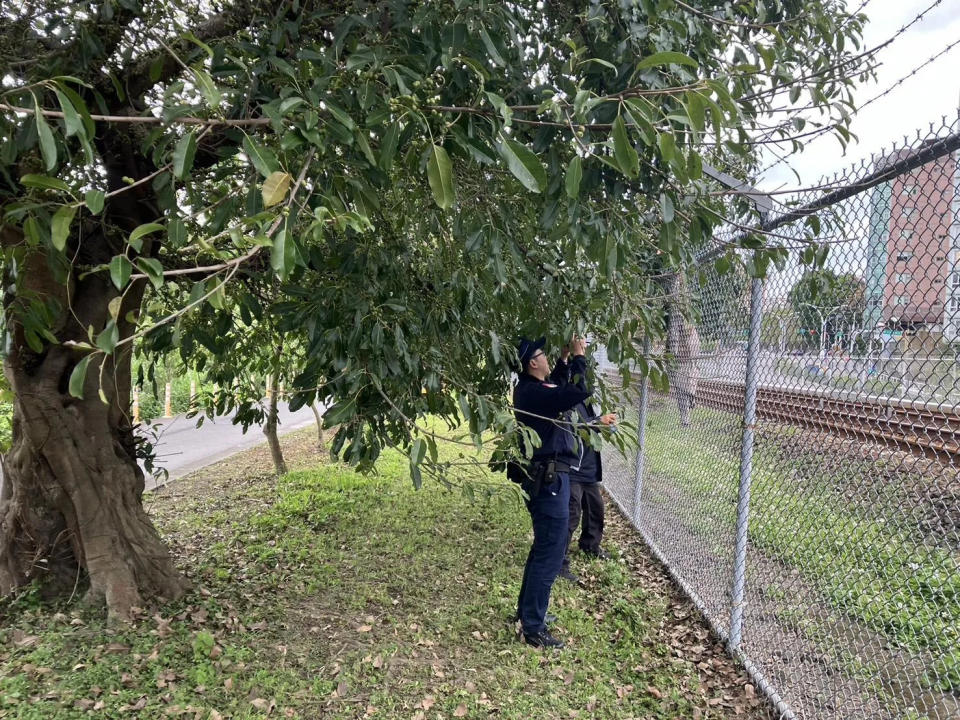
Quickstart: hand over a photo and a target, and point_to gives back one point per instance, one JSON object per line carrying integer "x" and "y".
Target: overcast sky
{"x": 924, "y": 98}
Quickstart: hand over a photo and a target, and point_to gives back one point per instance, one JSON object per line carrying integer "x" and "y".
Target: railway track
{"x": 916, "y": 427}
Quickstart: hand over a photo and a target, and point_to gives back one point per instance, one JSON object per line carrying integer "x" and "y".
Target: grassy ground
{"x": 835, "y": 523}
{"x": 330, "y": 595}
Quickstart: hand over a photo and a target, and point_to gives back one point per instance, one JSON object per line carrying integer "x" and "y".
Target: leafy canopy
{"x": 399, "y": 188}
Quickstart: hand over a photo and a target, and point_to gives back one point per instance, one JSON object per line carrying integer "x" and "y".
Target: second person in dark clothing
{"x": 586, "y": 472}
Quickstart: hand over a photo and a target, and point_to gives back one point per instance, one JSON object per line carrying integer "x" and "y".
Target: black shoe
{"x": 549, "y": 618}
{"x": 566, "y": 574}
{"x": 542, "y": 639}
{"x": 600, "y": 554}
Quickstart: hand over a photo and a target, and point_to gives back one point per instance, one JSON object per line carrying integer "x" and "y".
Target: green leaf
{"x": 666, "y": 58}
{"x": 340, "y": 413}
{"x": 440, "y": 175}
{"x": 152, "y": 269}
{"x": 176, "y": 232}
{"x": 108, "y": 339}
{"x": 275, "y": 188}
{"x": 667, "y": 146}
{"x": 524, "y": 164}
{"x": 574, "y": 175}
{"x": 81, "y": 107}
{"x": 71, "y": 118}
{"x": 78, "y": 376}
{"x": 263, "y": 159}
{"x": 283, "y": 254}
{"x": 136, "y": 237}
{"x": 120, "y": 269}
{"x": 388, "y": 146}
{"x": 666, "y": 206}
{"x": 207, "y": 87}
{"x": 48, "y": 146}
{"x": 491, "y": 48}
{"x": 60, "y": 226}
{"x": 623, "y": 149}
{"x": 340, "y": 115}
{"x": 94, "y": 200}
{"x": 695, "y": 111}
{"x": 44, "y": 181}
{"x": 418, "y": 451}
{"x": 183, "y": 155}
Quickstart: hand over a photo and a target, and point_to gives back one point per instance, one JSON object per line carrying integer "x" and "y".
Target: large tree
{"x": 418, "y": 181}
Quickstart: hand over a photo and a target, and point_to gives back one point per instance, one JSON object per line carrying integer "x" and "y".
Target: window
{"x": 954, "y": 305}
{"x": 955, "y": 280}
{"x": 904, "y": 256}
{"x": 901, "y": 300}
{"x": 910, "y": 189}
{"x": 906, "y": 234}
{"x": 909, "y": 211}
{"x": 902, "y": 278}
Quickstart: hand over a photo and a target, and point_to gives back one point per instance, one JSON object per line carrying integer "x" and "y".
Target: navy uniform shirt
{"x": 548, "y": 404}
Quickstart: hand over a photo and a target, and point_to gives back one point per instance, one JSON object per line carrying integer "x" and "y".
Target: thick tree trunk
{"x": 270, "y": 427}
{"x": 72, "y": 491}
{"x": 70, "y": 504}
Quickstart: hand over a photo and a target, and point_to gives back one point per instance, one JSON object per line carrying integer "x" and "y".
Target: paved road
{"x": 183, "y": 447}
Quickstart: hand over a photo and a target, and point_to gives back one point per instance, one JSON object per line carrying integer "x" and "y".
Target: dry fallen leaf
{"x": 214, "y": 715}
{"x": 364, "y": 628}
{"x": 228, "y": 684}
{"x": 428, "y": 702}
{"x": 461, "y": 710}
{"x": 470, "y": 686}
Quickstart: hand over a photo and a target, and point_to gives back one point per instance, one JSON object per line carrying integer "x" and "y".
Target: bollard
{"x": 136, "y": 405}
{"x": 167, "y": 405}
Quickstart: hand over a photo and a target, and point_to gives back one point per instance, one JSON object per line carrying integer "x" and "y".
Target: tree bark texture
{"x": 270, "y": 427}
{"x": 71, "y": 500}
{"x": 321, "y": 442}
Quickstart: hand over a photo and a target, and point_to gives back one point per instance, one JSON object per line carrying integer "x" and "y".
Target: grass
{"x": 325, "y": 594}
{"x": 866, "y": 560}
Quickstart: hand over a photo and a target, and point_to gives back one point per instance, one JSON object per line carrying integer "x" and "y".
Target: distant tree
{"x": 827, "y": 303}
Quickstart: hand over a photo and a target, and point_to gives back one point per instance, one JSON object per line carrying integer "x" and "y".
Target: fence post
{"x": 136, "y": 405}
{"x": 641, "y": 434}
{"x": 167, "y": 401}
{"x": 746, "y": 466}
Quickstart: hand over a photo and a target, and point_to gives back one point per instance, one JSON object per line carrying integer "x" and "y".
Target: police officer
{"x": 544, "y": 407}
{"x": 586, "y": 472}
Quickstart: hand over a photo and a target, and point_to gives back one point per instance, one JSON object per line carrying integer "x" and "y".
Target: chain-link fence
{"x": 800, "y": 480}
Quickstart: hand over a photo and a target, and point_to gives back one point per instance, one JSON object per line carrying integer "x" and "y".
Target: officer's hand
{"x": 578, "y": 346}
{"x": 609, "y": 419}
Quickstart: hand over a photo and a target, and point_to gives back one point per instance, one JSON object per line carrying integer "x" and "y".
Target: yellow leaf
{"x": 275, "y": 187}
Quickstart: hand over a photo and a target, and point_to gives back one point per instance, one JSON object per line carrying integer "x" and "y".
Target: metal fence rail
{"x": 800, "y": 479}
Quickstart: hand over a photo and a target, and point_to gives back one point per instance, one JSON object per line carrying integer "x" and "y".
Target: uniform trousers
{"x": 586, "y": 504}
{"x": 550, "y": 513}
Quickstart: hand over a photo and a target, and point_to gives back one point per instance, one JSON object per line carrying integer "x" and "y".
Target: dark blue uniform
{"x": 548, "y": 404}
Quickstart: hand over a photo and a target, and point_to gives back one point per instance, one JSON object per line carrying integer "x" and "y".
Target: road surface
{"x": 183, "y": 447}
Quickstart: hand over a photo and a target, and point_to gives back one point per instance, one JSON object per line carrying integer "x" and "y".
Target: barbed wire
{"x": 878, "y": 96}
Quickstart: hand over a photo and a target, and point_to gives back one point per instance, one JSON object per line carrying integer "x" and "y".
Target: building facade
{"x": 913, "y": 266}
